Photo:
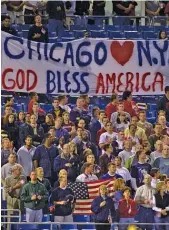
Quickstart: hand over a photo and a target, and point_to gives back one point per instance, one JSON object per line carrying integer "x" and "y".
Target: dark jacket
{"x": 30, "y": 189}
{"x": 81, "y": 147}
{"x": 9, "y": 30}
{"x": 53, "y": 13}
{"x": 82, "y": 7}
{"x": 102, "y": 213}
{"x": 35, "y": 138}
{"x": 99, "y": 9}
{"x": 57, "y": 113}
{"x": 162, "y": 202}
{"x": 43, "y": 31}
{"x": 94, "y": 127}
{"x": 103, "y": 162}
{"x": 13, "y": 132}
{"x": 163, "y": 104}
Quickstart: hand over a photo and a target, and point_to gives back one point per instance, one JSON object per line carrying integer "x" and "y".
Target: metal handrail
{"x": 11, "y": 210}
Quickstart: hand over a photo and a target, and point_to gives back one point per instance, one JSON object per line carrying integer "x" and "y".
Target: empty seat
{"x": 52, "y": 40}
{"x": 52, "y": 34}
{"x": 68, "y": 34}
{"x": 68, "y": 39}
{"x": 79, "y": 33}
{"x": 25, "y": 33}
{"x": 81, "y": 218}
{"x": 94, "y": 27}
{"x": 150, "y": 35}
{"x": 112, "y": 28}
{"x": 68, "y": 226}
{"x": 133, "y": 35}
{"x": 129, "y": 28}
{"x": 18, "y": 107}
{"x": 116, "y": 35}
{"x": 46, "y": 107}
{"x": 22, "y": 27}
{"x": 146, "y": 28}
{"x": 98, "y": 34}
{"x": 20, "y": 34}
{"x": 77, "y": 27}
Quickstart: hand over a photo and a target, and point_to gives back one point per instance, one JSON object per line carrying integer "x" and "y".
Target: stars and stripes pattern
{"x": 85, "y": 192}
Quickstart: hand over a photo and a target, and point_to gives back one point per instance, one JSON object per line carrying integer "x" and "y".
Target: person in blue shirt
{"x": 103, "y": 208}
{"x": 112, "y": 172}
{"x": 95, "y": 124}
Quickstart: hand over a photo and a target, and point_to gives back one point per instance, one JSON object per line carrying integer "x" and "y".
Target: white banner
{"x": 85, "y": 66}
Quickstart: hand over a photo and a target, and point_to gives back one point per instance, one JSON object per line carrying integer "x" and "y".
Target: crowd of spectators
{"x": 42, "y": 152}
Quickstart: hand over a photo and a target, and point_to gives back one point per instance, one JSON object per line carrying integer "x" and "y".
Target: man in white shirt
{"x": 126, "y": 153}
{"x": 88, "y": 174}
{"x": 120, "y": 108}
{"x": 158, "y": 151}
{"x": 63, "y": 103}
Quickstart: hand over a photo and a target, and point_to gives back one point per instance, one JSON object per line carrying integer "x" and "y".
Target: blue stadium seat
{"x": 24, "y": 227}
{"x": 159, "y": 28}
{"x": 20, "y": 34}
{"x": 146, "y": 28}
{"x": 46, "y": 107}
{"x": 112, "y": 28}
{"x": 68, "y": 39}
{"x": 68, "y": 34}
{"x": 129, "y": 28}
{"x": 98, "y": 34}
{"x": 15, "y": 26}
{"x": 133, "y": 35}
{"x": 25, "y": 33}
{"x": 116, "y": 35}
{"x": 52, "y": 40}
{"x": 52, "y": 35}
{"x": 152, "y": 120}
{"x": 18, "y": 107}
{"x": 150, "y": 35}
{"x": 79, "y": 33}
{"x": 88, "y": 227}
{"x": 68, "y": 226}
{"x": 94, "y": 27}
{"x": 81, "y": 218}
{"x": 22, "y": 27}
{"x": 77, "y": 27}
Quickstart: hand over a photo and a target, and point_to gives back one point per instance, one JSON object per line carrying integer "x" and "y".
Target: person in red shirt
{"x": 112, "y": 106}
{"x": 34, "y": 98}
{"x": 129, "y": 105}
{"x": 127, "y": 209}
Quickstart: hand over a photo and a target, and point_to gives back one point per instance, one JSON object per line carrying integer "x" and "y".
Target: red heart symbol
{"x": 122, "y": 53}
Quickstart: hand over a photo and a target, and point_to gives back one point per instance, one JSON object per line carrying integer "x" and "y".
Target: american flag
{"x": 85, "y": 192}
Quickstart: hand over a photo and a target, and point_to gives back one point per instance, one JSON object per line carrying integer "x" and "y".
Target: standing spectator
{"x": 163, "y": 161}
{"x": 62, "y": 173}
{"x": 49, "y": 122}
{"x": 103, "y": 208}
{"x": 140, "y": 169}
{"x": 161, "y": 206}
{"x": 13, "y": 187}
{"x": 158, "y": 151}
{"x": 63, "y": 199}
{"x": 34, "y": 195}
{"x": 121, "y": 122}
{"x": 52, "y": 132}
{"x": 99, "y": 10}
{"x": 30, "y": 10}
{"x": 119, "y": 185}
{"x": 144, "y": 197}
{"x": 56, "y": 111}
{"x": 57, "y": 17}
{"x": 112, "y": 106}
{"x": 155, "y": 174}
{"x": 15, "y": 11}
{"x": 127, "y": 209}
{"x": 20, "y": 119}
{"x": 86, "y": 101}
{"x": 60, "y": 132}
{"x": 167, "y": 184}
{"x": 6, "y": 27}
{"x": 129, "y": 105}
{"x": 162, "y": 121}
{"x": 38, "y": 32}
{"x": 120, "y": 140}
{"x": 37, "y": 112}
{"x": 103, "y": 129}
{"x": 82, "y": 9}
{"x": 111, "y": 172}
{"x": 34, "y": 98}
{"x": 120, "y": 108}
{"x": 88, "y": 174}
{"x": 25, "y": 156}
{"x": 69, "y": 9}
{"x": 68, "y": 125}
{"x": 152, "y": 9}
{"x": 163, "y": 103}
{"x": 144, "y": 124}
{"x": 44, "y": 157}
{"x": 106, "y": 158}
{"x": 126, "y": 153}
{"x": 156, "y": 136}
{"x": 6, "y": 150}
{"x": 82, "y": 124}
{"x": 77, "y": 112}
{"x": 4, "y": 119}
{"x": 95, "y": 125}
{"x": 63, "y": 100}
{"x": 102, "y": 114}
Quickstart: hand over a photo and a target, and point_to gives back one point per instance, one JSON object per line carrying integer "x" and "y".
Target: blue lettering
{"x": 67, "y": 83}
{"x": 50, "y": 81}
{"x": 83, "y": 76}
{"x": 38, "y": 51}
{"x": 30, "y": 49}
{"x": 99, "y": 46}
{"x": 161, "y": 51}
{"x": 59, "y": 83}
{"x": 145, "y": 50}
{"x": 83, "y": 54}
{"x": 78, "y": 84}
{"x": 55, "y": 45}
{"x": 46, "y": 51}
{"x": 69, "y": 54}
{"x": 6, "y": 48}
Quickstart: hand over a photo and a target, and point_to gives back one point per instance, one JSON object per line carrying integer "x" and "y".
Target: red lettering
{"x": 120, "y": 83}
{"x": 137, "y": 82}
{"x": 29, "y": 73}
{"x": 129, "y": 83}
{"x": 100, "y": 83}
{"x": 160, "y": 80}
{"x": 110, "y": 79}
{"x": 4, "y": 86}
{"x": 143, "y": 82}
{"x": 20, "y": 81}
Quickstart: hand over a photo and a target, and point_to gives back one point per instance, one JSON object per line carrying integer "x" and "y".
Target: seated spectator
{"x": 155, "y": 174}
{"x": 144, "y": 197}
{"x": 95, "y": 125}
{"x": 106, "y": 158}
{"x": 63, "y": 100}
{"x": 127, "y": 209}
{"x": 161, "y": 206}
{"x": 20, "y": 119}
{"x": 49, "y": 122}
{"x": 34, "y": 195}
{"x": 25, "y": 155}
{"x": 68, "y": 125}
{"x": 6, "y": 150}
{"x": 129, "y": 105}
{"x": 60, "y": 132}
{"x": 39, "y": 115}
{"x": 88, "y": 174}
{"x": 158, "y": 151}
{"x": 111, "y": 172}
{"x": 38, "y": 32}
{"x": 121, "y": 122}
{"x": 162, "y": 121}
{"x": 163, "y": 161}
{"x": 126, "y": 153}
{"x": 140, "y": 133}
{"x": 63, "y": 199}
{"x": 103, "y": 208}
{"x": 144, "y": 124}
{"x": 120, "y": 109}
{"x": 44, "y": 157}
{"x": 7, "y": 112}
{"x": 15, "y": 11}
{"x": 112, "y": 106}
{"x": 12, "y": 129}
{"x": 56, "y": 111}
{"x": 140, "y": 169}
{"x": 163, "y": 103}
{"x": 102, "y": 130}
{"x": 163, "y": 35}
{"x": 34, "y": 130}
{"x": 119, "y": 185}
{"x": 13, "y": 186}
{"x": 156, "y": 136}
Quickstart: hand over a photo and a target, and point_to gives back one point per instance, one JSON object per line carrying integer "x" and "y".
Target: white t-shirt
{"x": 125, "y": 156}
{"x": 124, "y": 173}
{"x": 86, "y": 178}
{"x": 105, "y": 137}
